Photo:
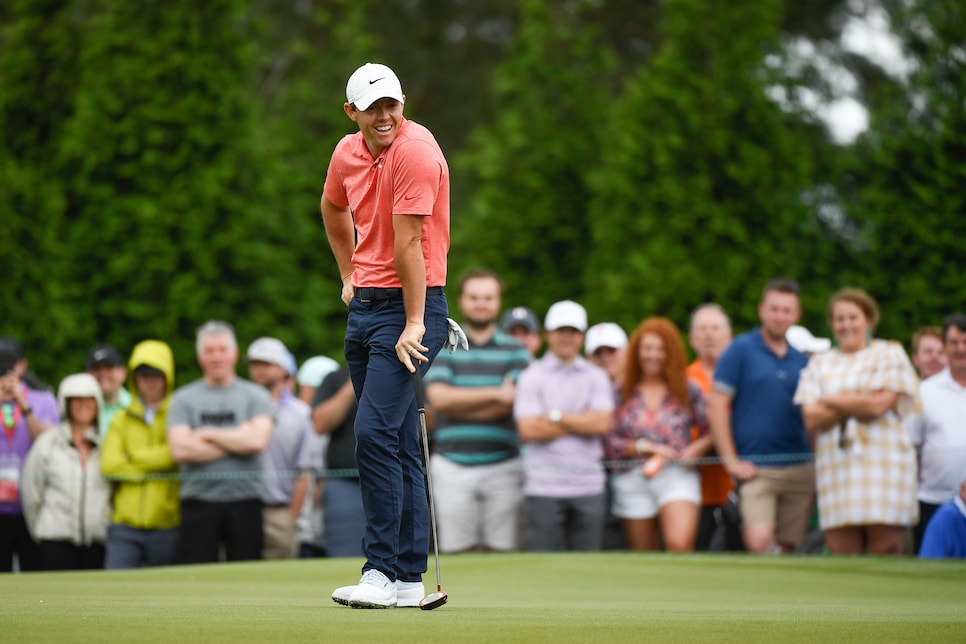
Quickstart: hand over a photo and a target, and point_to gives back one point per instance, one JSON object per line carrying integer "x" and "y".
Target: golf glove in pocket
{"x": 456, "y": 338}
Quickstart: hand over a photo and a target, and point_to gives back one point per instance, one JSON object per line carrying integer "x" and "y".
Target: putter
{"x": 437, "y": 599}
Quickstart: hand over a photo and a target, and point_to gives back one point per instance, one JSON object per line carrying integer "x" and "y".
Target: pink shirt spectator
{"x": 569, "y": 466}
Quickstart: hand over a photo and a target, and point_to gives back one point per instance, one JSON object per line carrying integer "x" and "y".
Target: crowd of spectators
{"x": 772, "y": 441}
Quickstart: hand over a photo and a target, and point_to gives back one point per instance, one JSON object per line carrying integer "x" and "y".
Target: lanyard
{"x": 11, "y": 416}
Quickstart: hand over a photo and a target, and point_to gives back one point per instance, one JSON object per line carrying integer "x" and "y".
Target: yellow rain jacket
{"x": 136, "y": 456}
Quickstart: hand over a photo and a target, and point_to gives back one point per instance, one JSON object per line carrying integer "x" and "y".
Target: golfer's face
{"x": 379, "y": 124}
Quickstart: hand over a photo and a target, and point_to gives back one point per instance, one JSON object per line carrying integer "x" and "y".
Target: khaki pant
{"x": 280, "y": 538}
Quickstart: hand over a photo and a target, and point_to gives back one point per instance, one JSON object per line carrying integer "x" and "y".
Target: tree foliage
{"x": 698, "y": 196}
{"x": 528, "y": 215}
{"x": 161, "y": 164}
{"x": 905, "y": 179}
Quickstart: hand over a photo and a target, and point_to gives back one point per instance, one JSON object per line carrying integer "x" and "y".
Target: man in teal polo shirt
{"x": 477, "y": 473}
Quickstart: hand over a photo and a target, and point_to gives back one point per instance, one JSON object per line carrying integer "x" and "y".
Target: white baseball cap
{"x": 803, "y": 340}
{"x": 566, "y": 313}
{"x": 315, "y": 369}
{"x": 269, "y": 350}
{"x": 605, "y": 334}
{"x": 371, "y": 82}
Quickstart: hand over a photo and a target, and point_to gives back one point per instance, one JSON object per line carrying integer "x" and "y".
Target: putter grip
{"x": 418, "y": 388}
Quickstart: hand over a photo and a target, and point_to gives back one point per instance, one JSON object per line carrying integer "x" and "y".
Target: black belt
{"x": 369, "y": 294}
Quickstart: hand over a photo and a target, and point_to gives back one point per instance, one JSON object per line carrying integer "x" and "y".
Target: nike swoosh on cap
{"x": 376, "y": 81}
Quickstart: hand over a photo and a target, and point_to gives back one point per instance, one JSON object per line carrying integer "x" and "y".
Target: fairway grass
{"x": 600, "y": 597}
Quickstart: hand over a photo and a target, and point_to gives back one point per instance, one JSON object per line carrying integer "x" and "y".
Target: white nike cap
{"x": 371, "y": 82}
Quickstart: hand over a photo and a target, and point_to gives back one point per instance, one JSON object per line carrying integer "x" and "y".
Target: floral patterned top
{"x": 669, "y": 424}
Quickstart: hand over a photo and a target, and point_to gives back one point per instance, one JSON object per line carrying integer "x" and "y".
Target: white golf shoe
{"x": 408, "y": 594}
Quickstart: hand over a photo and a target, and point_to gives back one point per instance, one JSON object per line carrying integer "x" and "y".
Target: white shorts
{"x": 477, "y": 505}
{"x": 638, "y": 497}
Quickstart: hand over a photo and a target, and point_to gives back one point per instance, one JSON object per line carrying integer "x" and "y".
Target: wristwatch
{"x": 555, "y": 416}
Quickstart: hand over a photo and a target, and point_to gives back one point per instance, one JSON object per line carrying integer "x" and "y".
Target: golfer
{"x": 386, "y": 213}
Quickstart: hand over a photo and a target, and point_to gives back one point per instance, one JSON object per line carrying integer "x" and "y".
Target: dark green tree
{"x": 527, "y": 217}
{"x": 700, "y": 194}
{"x": 903, "y": 186}
{"x": 167, "y": 223}
{"x": 38, "y": 80}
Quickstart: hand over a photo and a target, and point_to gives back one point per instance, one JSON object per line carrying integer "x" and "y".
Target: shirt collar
{"x": 556, "y": 363}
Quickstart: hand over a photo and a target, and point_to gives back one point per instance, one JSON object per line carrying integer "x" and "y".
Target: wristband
{"x": 642, "y": 445}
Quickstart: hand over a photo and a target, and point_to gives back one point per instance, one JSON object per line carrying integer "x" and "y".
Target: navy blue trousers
{"x": 388, "y": 452}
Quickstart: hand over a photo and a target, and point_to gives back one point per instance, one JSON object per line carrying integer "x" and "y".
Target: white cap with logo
{"x": 605, "y": 334}
{"x": 371, "y": 82}
{"x": 270, "y": 350}
{"x": 566, "y": 314}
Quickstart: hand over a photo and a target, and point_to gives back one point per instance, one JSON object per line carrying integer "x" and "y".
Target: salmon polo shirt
{"x": 410, "y": 177}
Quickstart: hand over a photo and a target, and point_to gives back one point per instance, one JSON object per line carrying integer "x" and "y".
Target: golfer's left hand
{"x": 409, "y": 347}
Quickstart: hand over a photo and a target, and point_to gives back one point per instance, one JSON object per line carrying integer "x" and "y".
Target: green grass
{"x": 601, "y": 597}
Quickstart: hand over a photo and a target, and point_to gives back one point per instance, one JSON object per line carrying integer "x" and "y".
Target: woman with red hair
{"x": 657, "y": 408}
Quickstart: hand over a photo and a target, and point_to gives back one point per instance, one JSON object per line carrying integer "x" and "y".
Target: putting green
{"x": 599, "y": 597}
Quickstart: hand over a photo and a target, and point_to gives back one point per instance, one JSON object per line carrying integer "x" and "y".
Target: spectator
{"x": 758, "y": 430}
{"x": 522, "y": 323}
{"x": 938, "y": 432}
{"x": 309, "y": 527}
{"x": 604, "y": 345}
{"x": 106, "y": 364}
{"x": 136, "y": 456}
{"x": 27, "y": 413}
{"x": 386, "y": 214}
{"x": 946, "y": 533}
{"x": 311, "y": 374}
{"x": 657, "y": 408}
{"x": 334, "y": 416}
{"x": 928, "y": 356}
{"x": 66, "y": 501}
{"x": 477, "y": 472}
{"x": 854, "y": 399}
{"x": 564, "y": 407}
{"x": 604, "y": 348}
{"x": 719, "y": 527}
{"x": 291, "y": 455}
{"x": 218, "y": 428}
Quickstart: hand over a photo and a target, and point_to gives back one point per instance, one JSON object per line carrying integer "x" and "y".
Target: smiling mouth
{"x": 383, "y": 128}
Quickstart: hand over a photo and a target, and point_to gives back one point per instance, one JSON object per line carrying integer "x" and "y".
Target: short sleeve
{"x": 809, "y": 389}
{"x": 894, "y": 372}
{"x": 527, "y": 401}
{"x": 727, "y": 372}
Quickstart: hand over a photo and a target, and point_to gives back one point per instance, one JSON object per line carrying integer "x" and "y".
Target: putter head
{"x": 433, "y": 600}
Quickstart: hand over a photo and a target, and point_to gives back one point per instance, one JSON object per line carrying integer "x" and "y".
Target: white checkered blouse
{"x": 867, "y": 476}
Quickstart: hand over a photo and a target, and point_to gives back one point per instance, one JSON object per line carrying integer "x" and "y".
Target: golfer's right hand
{"x": 348, "y": 290}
